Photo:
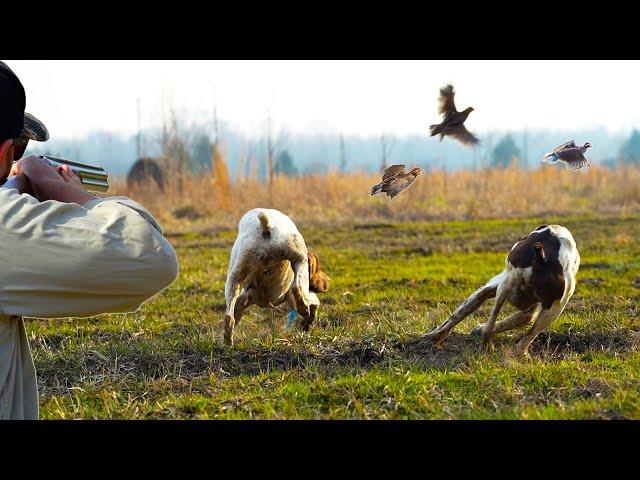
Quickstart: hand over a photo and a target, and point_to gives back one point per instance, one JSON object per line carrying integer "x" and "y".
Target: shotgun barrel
{"x": 93, "y": 178}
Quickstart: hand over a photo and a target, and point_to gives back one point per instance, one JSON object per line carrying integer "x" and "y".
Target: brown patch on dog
{"x": 539, "y": 250}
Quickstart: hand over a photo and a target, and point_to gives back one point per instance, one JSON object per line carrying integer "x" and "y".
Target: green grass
{"x": 365, "y": 358}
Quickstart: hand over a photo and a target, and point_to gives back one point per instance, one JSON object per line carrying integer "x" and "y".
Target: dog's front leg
{"x": 314, "y": 304}
{"x": 501, "y": 295}
{"x": 300, "y": 286}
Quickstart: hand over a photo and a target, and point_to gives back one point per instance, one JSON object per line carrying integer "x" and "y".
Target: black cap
{"x": 12, "y": 103}
{"x": 14, "y": 122}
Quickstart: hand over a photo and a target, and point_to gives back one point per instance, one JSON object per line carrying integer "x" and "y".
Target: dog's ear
{"x": 540, "y": 253}
{"x": 318, "y": 281}
{"x": 314, "y": 265}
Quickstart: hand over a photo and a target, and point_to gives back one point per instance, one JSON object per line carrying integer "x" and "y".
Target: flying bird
{"x": 570, "y": 154}
{"x": 453, "y": 120}
{"x": 395, "y": 180}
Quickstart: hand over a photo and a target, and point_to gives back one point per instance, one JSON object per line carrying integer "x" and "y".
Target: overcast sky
{"x": 353, "y": 97}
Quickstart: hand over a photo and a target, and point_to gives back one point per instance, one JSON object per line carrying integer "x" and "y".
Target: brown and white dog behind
{"x": 318, "y": 280}
{"x": 539, "y": 279}
{"x": 270, "y": 265}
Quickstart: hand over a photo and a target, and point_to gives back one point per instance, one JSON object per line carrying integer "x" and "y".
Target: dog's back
{"x": 269, "y": 265}
{"x": 546, "y": 256}
{"x": 270, "y": 242}
{"x": 268, "y": 224}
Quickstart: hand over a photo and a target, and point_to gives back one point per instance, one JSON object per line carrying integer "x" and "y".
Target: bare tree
{"x": 249, "y": 156}
{"x": 387, "y": 144}
{"x": 343, "y": 156}
{"x": 139, "y": 137}
{"x": 270, "y": 154}
{"x": 253, "y": 167}
{"x": 273, "y": 146}
{"x": 173, "y": 141}
{"x": 216, "y": 126}
{"x": 245, "y": 162}
{"x": 525, "y": 149}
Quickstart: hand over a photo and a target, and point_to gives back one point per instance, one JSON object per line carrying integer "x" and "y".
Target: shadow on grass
{"x": 123, "y": 358}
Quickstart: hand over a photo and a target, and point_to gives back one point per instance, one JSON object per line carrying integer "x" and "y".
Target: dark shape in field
{"x": 143, "y": 169}
{"x": 453, "y": 121}
{"x": 395, "y": 180}
{"x": 570, "y": 154}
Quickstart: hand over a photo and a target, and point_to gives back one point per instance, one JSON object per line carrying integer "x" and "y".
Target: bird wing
{"x": 569, "y": 144}
{"x": 464, "y": 136}
{"x": 578, "y": 164}
{"x": 392, "y": 171}
{"x": 447, "y": 105}
{"x": 398, "y": 184}
{"x": 570, "y": 155}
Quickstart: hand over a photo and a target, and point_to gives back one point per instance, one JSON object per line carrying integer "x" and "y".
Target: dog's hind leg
{"x": 517, "y": 320}
{"x": 232, "y": 292}
{"x": 543, "y": 321}
{"x": 547, "y": 316}
{"x": 300, "y": 286}
{"x": 466, "y": 308}
{"x": 236, "y": 276}
{"x": 242, "y": 303}
{"x": 503, "y": 290}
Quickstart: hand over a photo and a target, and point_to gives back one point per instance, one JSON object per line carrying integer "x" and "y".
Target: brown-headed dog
{"x": 318, "y": 280}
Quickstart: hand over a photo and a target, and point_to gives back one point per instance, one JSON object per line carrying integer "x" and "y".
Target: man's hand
{"x": 69, "y": 176}
{"x": 20, "y": 183}
{"x": 49, "y": 183}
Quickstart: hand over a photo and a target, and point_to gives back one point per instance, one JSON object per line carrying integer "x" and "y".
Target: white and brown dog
{"x": 270, "y": 265}
{"x": 539, "y": 279}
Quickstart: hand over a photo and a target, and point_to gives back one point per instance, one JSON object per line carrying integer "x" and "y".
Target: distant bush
{"x": 630, "y": 150}
{"x": 284, "y": 164}
{"x": 504, "y": 152}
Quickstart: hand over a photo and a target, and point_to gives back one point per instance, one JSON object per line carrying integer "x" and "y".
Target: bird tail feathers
{"x": 550, "y": 158}
{"x": 434, "y": 129}
{"x": 578, "y": 165}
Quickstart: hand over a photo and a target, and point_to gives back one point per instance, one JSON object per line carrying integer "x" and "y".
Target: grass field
{"x": 365, "y": 358}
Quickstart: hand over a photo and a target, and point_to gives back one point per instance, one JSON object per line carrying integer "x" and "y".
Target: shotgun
{"x": 94, "y": 179}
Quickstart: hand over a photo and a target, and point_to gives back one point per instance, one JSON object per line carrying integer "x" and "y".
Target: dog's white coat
{"x": 268, "y": 266}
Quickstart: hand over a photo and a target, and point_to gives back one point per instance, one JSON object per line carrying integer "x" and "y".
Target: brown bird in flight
{"x": 570, "y": 154}
{"x": 395, "y": 180}
{"x": 453, "y": 120}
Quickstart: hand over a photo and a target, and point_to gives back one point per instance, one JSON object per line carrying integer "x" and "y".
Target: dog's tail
{"x": 265, "y": 224}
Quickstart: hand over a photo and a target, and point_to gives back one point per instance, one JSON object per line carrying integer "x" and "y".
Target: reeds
{"x": 214, "y": 200}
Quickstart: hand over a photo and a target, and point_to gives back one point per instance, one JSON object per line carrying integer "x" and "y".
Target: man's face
{"x": 19, "y": 147}
{"x": 7, "y": 152}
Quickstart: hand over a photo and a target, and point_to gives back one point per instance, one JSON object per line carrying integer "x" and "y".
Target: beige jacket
{"x": 66, "y": 260}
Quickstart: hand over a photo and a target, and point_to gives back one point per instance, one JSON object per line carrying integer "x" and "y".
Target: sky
{"x": 363, "y": 98}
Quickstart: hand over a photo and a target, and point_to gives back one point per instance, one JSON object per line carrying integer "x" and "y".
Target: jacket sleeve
{"x": 66, "y": 260}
